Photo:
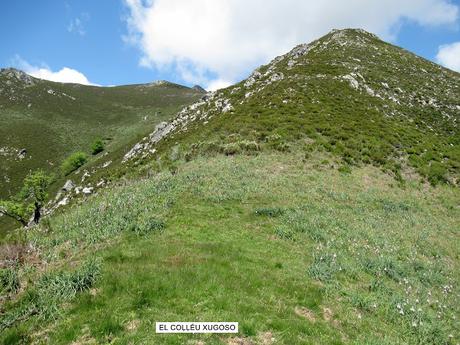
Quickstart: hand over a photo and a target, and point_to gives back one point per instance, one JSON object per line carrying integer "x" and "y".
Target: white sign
{"x": 196, "y": 327}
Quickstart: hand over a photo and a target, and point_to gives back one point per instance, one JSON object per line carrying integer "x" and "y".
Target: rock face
{"x": 64, "y": 201}
{"x": 68, "y": 186}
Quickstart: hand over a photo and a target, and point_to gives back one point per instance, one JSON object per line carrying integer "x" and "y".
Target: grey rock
{"x": 68, "y": 186}
{"x": 87, "y": 190}
{"x": 64, "y": 201}
{"x": 22, "y": 154}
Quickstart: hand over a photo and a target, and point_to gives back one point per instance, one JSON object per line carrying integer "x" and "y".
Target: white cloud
{"x": 228, "y": 38}
{"x": 217, "y": 84}
{"x": 449, "y": 56}
{"x": 64, "y": 75}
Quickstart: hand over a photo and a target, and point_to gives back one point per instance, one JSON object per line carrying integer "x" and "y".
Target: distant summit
{"x": 13, "y": 73}
{"x": 198, "y": 88}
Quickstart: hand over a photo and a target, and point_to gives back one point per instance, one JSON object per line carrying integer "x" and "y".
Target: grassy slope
{"x": 54, "y": 125}
{"x": 331, "y": 267}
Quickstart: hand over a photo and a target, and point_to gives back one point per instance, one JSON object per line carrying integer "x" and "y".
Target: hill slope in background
{"x": 361, "y": 99}
{"x": 51, "y": 120}
{"x": 295, "y": 202}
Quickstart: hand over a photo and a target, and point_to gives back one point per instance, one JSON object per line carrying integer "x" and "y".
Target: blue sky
{"x": 208, "y": 42}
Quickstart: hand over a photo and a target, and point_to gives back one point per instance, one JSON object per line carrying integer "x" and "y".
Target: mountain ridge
{"x": 415, "y": 103}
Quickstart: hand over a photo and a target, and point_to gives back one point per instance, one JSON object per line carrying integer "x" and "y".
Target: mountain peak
{"x": 22, "y": 76}
{"x": 159, "y": 82}
{"x": 198, "y": 88}
{"x": 353, "y": 31}
{"x": 355, "y": 80}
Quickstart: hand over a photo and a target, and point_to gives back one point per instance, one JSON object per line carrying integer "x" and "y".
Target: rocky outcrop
{"x": 13, "y": 73}
{"x": 68, "y": 186}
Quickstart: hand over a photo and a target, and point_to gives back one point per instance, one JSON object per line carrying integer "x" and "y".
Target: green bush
{"x": 73, "y": 162}
{"x": 231, "y": 149}
{"x": 269, "y": 211}
{"x": 145, "y": 226}
{"x": 250, "y": 146}
{"x": 437, "y": 173}
{"x": 345, "y": 169}
{"x": 97, "y": 147}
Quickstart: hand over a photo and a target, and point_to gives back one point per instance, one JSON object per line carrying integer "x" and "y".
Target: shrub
{"x": 269, "y": 211}
{"x": 97, "y": 147}
{"x": 50, "y": 291}
{"x": 231, "y": 149}
{"x": 250, "y": 146}
{"x": 73, "y": 162}
{"x": 345, "y": 169}
{"x": 437, "y": 173}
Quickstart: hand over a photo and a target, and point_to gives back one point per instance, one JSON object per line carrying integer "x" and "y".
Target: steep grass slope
{"x": 51, "y": 120}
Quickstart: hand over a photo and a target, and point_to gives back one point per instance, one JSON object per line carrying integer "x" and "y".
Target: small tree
{"x": 30, "y": 199}
{"x": 14, "y": 209}
{"x": 97, "y": 146}
{"x": 34, "y": 191}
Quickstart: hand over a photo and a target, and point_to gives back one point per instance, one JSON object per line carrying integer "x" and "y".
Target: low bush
{"x": 231, "y": 149}
{"x": 437, "y": 173}
{"x": 97, "y": 147}
{"x": 148, "y": 225}
{"x": 269, "y": 211}
{"x": 73, "y": 162}
{"x": 249, "y": 146}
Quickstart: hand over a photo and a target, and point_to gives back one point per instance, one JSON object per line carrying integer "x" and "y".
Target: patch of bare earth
{"x": 240, "y": 341}
{"x": 328, "y": 315}
{"x": 132, "y": 325}
{"x": 305, "y": 313}
{"x": 84, "y": 340}
{"x": 266, "y": 338}
{"x": 13, "y": 254}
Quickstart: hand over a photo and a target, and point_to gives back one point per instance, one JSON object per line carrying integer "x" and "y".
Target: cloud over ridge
{"x": 64, "y": 75}
{"x": 217, "y": 42}
{"x": 449, "y": 56}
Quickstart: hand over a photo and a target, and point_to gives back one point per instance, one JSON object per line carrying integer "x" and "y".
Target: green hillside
{"x": 51, "y": 120}
{"x": 43, "y": 122}
{"x": 349, "y": 94}
{"x": 315, "y": 202}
